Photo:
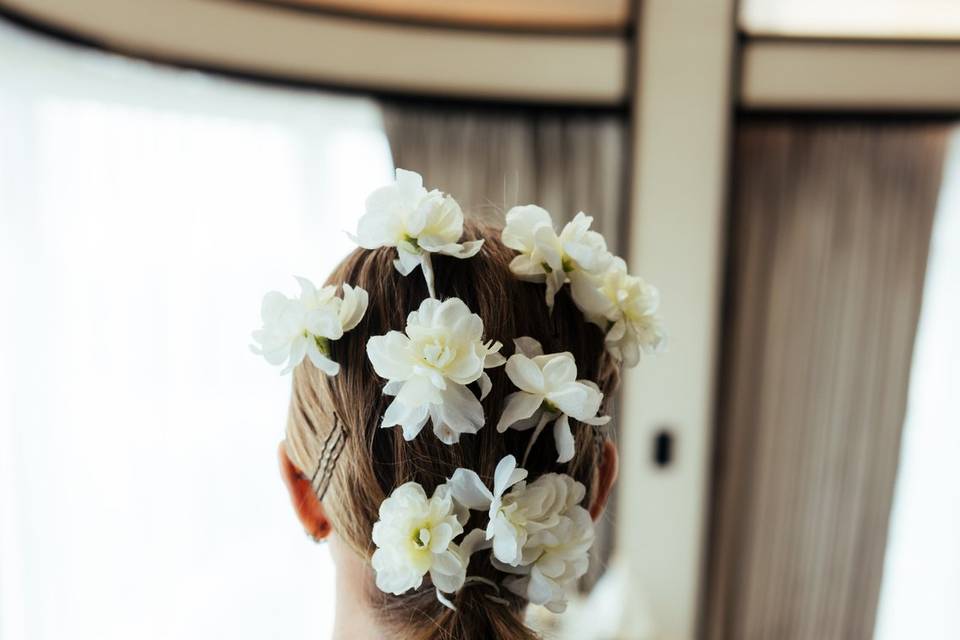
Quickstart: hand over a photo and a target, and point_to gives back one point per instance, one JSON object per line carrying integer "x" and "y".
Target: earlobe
{"x": 606, "y": 476}
{"x": 307, "y": 506}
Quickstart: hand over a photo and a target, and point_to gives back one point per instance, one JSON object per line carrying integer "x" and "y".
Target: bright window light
{"x": 899, "y": 19}
{"x": 921, "y": 579}
{"x": 144, "y": 211}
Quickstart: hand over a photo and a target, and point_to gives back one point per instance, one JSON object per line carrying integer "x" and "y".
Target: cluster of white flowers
{"x": 304, "y": 326}
{"x": 428, "y": 367}
{"x": 624, "y": 306}
{"x": 548, "y": 257}
{"x": 538, "y": 530}
{"x": 538, "y": 533}
{"x": 415, "y": 221}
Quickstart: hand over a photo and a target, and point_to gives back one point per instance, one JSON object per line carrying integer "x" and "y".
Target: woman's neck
{"x": 353, "y": 619}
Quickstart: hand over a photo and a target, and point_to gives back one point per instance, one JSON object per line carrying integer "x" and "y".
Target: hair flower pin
{"x": 428, "y": 367}
{"x": 548, "y": 390}
{"x": 624, "y": 306}
{"x": 415, "y": 221}
{"x": 548, "y": 257}
{"x": 294, "y": 328}
{"x": 540, "y": 534}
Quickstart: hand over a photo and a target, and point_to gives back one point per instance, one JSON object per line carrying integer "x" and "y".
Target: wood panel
{"x": 536, "y": 15}
{"x": 338, "y": 51}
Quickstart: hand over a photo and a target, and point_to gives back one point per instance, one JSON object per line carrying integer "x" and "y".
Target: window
{"x": 912, "y": 19}
{"x": 921, "y": 579}
{"x": 143, "y": 213}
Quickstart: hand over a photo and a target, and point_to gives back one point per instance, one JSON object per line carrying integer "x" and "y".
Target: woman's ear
{"x": 305, "y": 502}
{"x": 606, "y": 476}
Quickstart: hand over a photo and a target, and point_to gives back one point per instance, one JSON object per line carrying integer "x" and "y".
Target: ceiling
{"x": 534, "y": 15}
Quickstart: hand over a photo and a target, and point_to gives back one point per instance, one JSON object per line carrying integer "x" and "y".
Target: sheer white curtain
{"x": 921, "y": 581}
{"x": 143, "y": 212}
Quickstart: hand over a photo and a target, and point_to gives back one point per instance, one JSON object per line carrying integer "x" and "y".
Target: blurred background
{"x": 788, "y": 173}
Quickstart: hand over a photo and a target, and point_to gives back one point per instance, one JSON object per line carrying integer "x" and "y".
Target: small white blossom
{"x": 414, "y": 536}
{"x": 519, "y": 515}
{"x": 548, "y": 257}
{"x": 415, "y": 221}
{"x": 549, "y": 390}
{"x": 304, "y": 326}
{"x": 559, "y": 556}
{"x": 625, "y": 307}
{"x": 429, "y": 366}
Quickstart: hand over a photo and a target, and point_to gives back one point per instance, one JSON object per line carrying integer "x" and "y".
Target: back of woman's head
{"x": 375, "y": 461}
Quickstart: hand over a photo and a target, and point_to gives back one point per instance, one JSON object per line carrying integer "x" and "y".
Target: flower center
{"x": 512, "y": 511}
{"x": 410, "y": 243}
{"x": 565, "y": 262}
{"x": 322, "y": 344}
{"x": 437, "y": 354}
{"x": 421, "y": 538}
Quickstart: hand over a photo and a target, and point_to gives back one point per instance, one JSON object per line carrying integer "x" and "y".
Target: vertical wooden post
{"x": 682, "y": 112}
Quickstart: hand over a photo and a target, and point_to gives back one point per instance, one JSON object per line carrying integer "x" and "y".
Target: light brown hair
{"x": 375, "y": 461}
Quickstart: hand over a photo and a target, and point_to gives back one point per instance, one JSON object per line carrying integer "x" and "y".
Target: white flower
{"x": 303, "y": 326}
{"x": 414, "y": 536}
{"x": 429, "y": 366}
{"x": 561, "y": 558}
{"x": 547, "y": 257}
{"x": 625, "y": 307}
{"x": 549, "y": 390}
{"x": 415, "y": 221}
{"x": 583, "y": 249}
{"x": 517, "y": 516}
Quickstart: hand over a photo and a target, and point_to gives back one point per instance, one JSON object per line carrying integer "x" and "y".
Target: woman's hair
{"x": 374, "y": 461}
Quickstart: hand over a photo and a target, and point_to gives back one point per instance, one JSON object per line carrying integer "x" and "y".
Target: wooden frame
{"x": 682, "y": 114}
{"x": 798, "y": 74}
{"x": 270, "y": 41}
{"x": 566, "y": 68}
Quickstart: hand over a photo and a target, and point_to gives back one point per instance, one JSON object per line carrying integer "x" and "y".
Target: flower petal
{"x": 448, "y": 571}
{"x": 590, "y": 298}
{"x": 392, "y": 387}
{"x": 525, "y": 374}
{"x": 528, "y": 346}
{"x": 426, "y": 266}
{"x": 325, "y": 322}
{"x": 473, "y": 542}
{"x": 506, "y": 548}
{"x": 445, "y": 601}
{"x": 460, "y": 412}
{"x": 576, "y": 400}
{"x": 355, "y": 300}
{"x": 485, "y": 385}
{"x": 411, "y": 419}
{"x": 506, "y": 475}
{"x": 559, "y": 369}
{"x": 564, "y": 439}
{"x": 526, "y": 268}
{"x": 390, "y": 355}
{"x": 465, "y": 250}
{"x": 298, "y": 349}
{"x": 406, "y": 262}
{"x": 555, "y": 280}
{"x": 321, "y": 361}
{"x": 492, "y": 357}
{"x": 519, "y": 405}
{"x": 468, "y": 489}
